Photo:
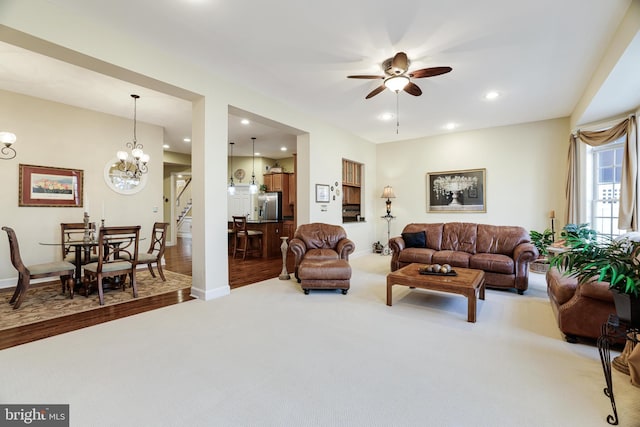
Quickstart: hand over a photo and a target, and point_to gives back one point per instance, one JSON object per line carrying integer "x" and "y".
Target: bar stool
{"x": 245, "y": 237}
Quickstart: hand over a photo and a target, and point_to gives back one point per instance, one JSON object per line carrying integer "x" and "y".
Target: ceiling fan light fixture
{"x": 396, "y": 83}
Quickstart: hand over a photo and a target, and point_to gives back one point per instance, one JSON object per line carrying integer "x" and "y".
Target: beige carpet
{"x": 47, "y": 302}
{"x": 268, "y": 355}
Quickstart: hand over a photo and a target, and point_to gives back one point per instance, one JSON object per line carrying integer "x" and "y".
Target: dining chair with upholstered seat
{"x": 244, "y": 238}
{"x": 64, "y": 270}
{"x": 156, "y": 249}
{"x": 117, "y": 258}
{"x": 74, "y": 231}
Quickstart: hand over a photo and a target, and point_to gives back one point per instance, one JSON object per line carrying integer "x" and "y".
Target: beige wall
{"x": 525, "y": 172}
{"x": 77, "y": 40}
{"x": 525, "y": 164}
{"x": 53, "y": 134}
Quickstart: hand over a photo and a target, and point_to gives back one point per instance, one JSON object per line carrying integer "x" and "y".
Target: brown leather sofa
{"x": 322, "y": 256}
{"x": 503, "y": 252}
{"x": 579, "y": 309}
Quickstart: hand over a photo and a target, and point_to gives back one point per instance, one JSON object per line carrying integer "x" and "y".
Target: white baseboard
{"x": 210, "y": 294}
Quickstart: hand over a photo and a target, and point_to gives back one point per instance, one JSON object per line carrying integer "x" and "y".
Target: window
{"x": 606, "y": 172}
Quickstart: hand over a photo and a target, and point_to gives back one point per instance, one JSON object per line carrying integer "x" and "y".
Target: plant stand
{"x": 612, "y": 330}
{"x": 388, "y": 217}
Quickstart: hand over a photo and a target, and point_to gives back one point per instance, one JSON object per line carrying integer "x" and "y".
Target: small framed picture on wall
{"x": 322, "y": 193}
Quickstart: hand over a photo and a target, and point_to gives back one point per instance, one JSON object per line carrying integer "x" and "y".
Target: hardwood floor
{"x": 241, "y": 273}
{"x": 178, "y": 259}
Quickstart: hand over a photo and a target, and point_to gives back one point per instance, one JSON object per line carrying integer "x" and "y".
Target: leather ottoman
{"x": 325, "y": 274}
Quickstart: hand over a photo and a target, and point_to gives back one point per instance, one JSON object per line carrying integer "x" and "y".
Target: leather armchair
{"x": 320, "y": 242}
{"x": 580, "y": 309}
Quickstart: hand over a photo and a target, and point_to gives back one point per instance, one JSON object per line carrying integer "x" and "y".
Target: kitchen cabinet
{"x": 267, "y": 179}
{"x": 351, "y": 195}
{"x": 351, "y": 190}
{"x": 282, "y": 182}
{"x": 292, "y": 188}
{"x": 288, "y": 229}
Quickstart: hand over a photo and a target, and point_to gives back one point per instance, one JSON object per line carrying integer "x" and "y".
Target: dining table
{"x": 82, "y": 249}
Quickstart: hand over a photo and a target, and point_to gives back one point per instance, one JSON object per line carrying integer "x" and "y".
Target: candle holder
{"x": 87, "y": 231}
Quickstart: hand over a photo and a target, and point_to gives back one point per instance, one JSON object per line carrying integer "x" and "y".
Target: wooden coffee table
{"x": 468, "y": 282}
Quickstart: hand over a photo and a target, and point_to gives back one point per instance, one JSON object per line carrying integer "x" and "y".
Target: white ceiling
{"x": 538, "y": 55}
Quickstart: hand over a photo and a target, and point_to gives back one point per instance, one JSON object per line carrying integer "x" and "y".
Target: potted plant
{"x": 541, "y": 241}
{"x": 575, "y": 234}
{"x": 616, "y": 261}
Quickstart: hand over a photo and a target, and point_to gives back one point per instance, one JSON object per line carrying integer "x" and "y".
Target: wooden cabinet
{"x": 288, "y": 229}
{"x": 351, "y": 195}
{"x": 277, "y": 181}
{"x": 282, "y": 182}
{"x": 351, "y": 190}
{"x": 271, "y": 233}
{"x": 267, "y": 179}
{"x": 351, "y": 173}
{"x": 292, "y": 188}
{"x": 273, "y": 242}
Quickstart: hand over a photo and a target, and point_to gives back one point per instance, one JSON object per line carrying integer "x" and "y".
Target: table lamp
{"x": 387, "y": 193}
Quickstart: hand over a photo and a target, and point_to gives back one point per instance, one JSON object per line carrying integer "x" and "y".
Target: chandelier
{"x": 133, "y": 164}
{"x": 452, "y": 185}
{"x": 232, "y": 186}
{"x": 7, "y": 139}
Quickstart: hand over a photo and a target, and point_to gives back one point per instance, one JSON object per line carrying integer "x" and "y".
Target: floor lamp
{"x": 388, "y": 194}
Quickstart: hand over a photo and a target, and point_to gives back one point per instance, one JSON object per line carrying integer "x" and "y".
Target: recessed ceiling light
{"x": 283, "y": 148}
{"x": 385, "y": 116}
{"x": 245, "y": 121}
{"x": 165, "y": 146}
{"x": 450, "y": 126}
{"x": 186, "y": 139}
{"x": 256, "y": 154}
{"x": 492, "y": 95}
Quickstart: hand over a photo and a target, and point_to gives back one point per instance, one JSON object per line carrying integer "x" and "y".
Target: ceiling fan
{"x": 397, "y": 77}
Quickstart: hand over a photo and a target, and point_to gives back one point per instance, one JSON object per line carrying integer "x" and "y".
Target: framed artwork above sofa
{"x": 457, "y": 191}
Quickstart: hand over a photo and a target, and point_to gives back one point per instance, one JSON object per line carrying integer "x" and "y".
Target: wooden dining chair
{"x": 244, "y": 238}
{"x": 62, "y": 269}
{"x": 74, "y": 231}
{"x": 117, "y": 258}
{"x": 156, "y": 249}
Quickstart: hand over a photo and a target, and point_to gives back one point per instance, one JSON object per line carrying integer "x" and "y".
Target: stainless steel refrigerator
{"x": 270, "y": 206}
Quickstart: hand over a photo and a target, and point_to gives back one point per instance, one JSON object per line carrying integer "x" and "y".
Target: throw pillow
{"x": 415, "y": 240}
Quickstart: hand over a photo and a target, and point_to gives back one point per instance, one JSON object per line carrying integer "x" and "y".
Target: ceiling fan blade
{"x": 375, "y": 92}
{"x": 413, "y": 89}
{"x": 400, "y": 63}
{"x": 429, "y": 72}
{"x": 365, "y": 77}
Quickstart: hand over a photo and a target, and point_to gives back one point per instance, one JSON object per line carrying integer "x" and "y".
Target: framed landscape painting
{"x": 457, "y": 191}
{"x": 50, "y": 186}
